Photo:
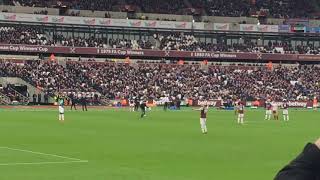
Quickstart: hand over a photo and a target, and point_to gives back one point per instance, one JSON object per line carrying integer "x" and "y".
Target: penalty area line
{"x": 41, "y": 163}
{"x": 71, "y": 159}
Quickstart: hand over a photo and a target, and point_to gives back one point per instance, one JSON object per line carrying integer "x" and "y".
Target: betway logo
{"x": 57, "y": 20}
{"x": 89, "y": 21}
{"x": 10, "y": 17}
{"x": 42, "y": 19}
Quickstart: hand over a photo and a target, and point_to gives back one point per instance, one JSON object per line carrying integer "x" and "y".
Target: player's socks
{"x": 286, "y": 118}
{"x": 268, "y": 117}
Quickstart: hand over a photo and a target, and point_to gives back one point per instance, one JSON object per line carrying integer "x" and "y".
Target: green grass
{"x": 163, "y": 146}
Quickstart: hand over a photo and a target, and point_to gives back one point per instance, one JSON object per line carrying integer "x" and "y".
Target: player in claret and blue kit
{"x": 285, "y": 111}
{"x": 203, "y": 117}
{"x": 268, "y": 110}
{"x": 240, "y": 113}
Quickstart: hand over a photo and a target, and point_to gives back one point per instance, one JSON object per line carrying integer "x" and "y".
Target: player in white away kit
{"x": 240, "y": 113}
{"x": 268, "y": 110}
{"x": 131, "y": 105}
{"x": 285, "y": 111}
{"x": 203, "y": 118}
{"x": 275, "y": 111}
{"x": 61, "y": 108}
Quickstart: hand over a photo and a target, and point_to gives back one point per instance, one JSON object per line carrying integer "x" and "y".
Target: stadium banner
{"x": 268, "y": 28}
{"x": 313, "y": 29}
{"x": 259, "y": 28}
{"x": 107, "y": 22}
{"x": 198, "y": 25}
{"x": 88, "y": 21}
{"x": 248, "y": 27}
{"x": 294, "y": 21}
{"x": 221, "y": 26}
{"x": 298, "y": 28}
{"x": 284, "y": 28}
{"x": 293, "y": 104}
{"x": 153, "y": 53}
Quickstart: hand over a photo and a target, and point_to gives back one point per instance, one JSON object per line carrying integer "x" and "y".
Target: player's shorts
{"x": 315, "y": 106}
{"x": 241, "y": 115}
{"x": 203, "y": 120}
{"x": 61, "y": 110}
{"x": 285, "y": 112}
{"x": 268, "y": 112}
{"x": 131, "y": 105}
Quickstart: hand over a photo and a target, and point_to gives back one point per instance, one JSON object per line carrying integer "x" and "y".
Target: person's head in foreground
{"x": 305, "y": 167}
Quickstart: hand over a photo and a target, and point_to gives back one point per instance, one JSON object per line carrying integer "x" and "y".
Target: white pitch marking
{"x": 46, "y": 154}
{"x": 40, "y": 163}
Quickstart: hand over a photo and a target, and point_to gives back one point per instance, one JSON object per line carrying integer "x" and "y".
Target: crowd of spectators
{"x": 61, "y": 40}
{"x": 31, "y": 35}
{"x": 174, "y": 41}
{"x": 229, "y": 8}
{"x": 130, "y": 44}
{"x": 185, "y": 42}
{"x": 156, "y": 80}
{"x": 272, "y": 8}
{"x": 49, "y": 76}
{"x": 52, "y": 78}
{"x": 159, "y": 6}
{"x": 23, "y": 35}
{"x": 10, "y": 93}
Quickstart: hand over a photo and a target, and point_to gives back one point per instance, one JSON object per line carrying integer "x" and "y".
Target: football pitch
{"x": 116, "y": 144}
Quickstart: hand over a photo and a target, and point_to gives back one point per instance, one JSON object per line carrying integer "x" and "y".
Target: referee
{"x": 73, "y": 101}
{"x": 143, "y": 107}
{"x": 84, "y": 103}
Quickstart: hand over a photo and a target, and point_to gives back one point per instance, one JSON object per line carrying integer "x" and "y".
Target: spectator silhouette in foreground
{"x": 305, "y": 167}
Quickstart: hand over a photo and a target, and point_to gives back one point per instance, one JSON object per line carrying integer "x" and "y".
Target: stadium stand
{"x": 270, "y": 8}
{"x": 154, "y": 80}
{"x": 167, "y": 41}
{"x": 218, "y": 57}
{"x": 32, "y": 35}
